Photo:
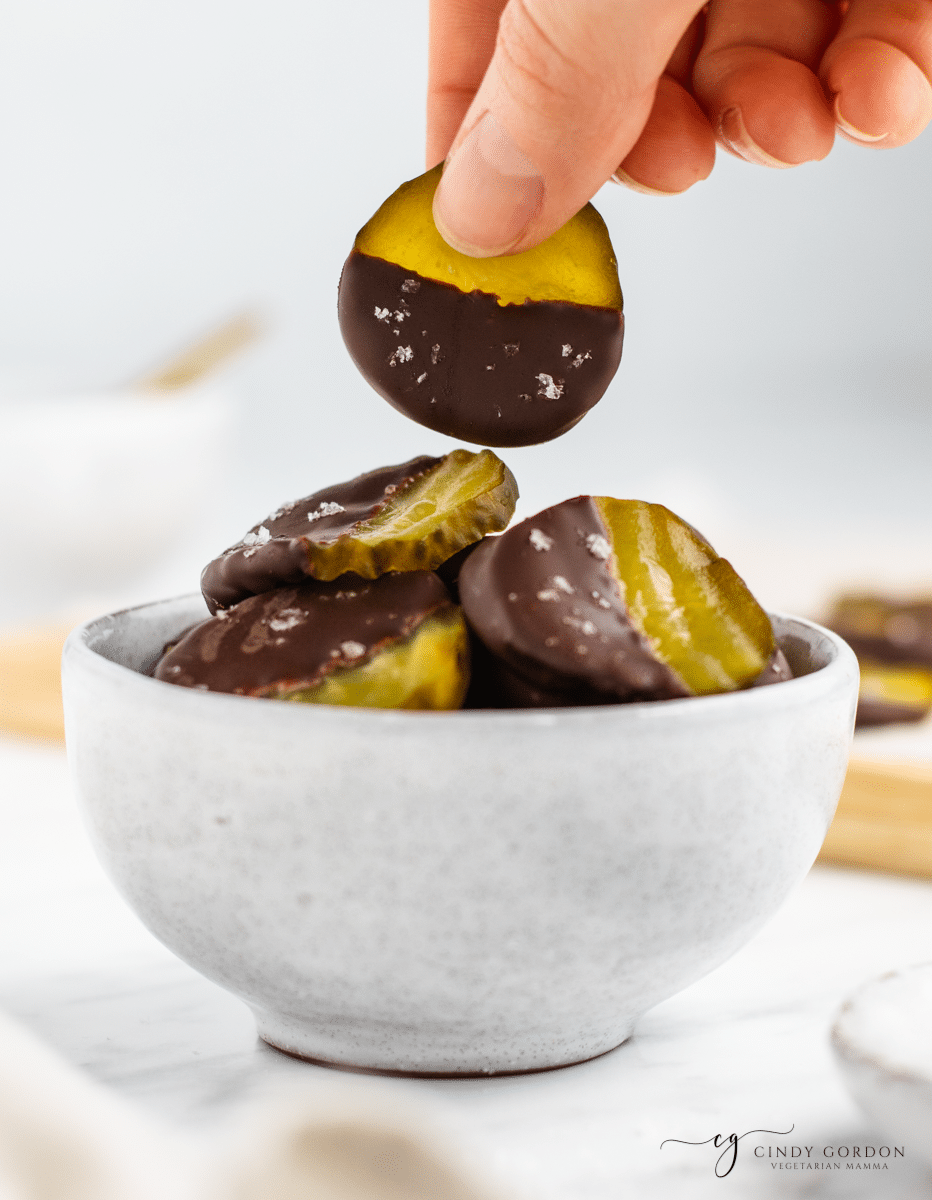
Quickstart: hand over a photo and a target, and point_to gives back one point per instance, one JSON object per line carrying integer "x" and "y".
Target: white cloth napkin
{"x": 65, "y": 1137}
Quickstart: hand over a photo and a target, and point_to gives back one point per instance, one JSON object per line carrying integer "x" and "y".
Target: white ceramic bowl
{"x": 882, "y": 1038}
{"x": 469, "y": 892}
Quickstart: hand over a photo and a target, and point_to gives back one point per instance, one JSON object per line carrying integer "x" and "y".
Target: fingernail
{"x": 732, "y": 132}
{"x": 488, "y": 193}
{"x": 851, "y": 131}
{"x": 626, "y": 180}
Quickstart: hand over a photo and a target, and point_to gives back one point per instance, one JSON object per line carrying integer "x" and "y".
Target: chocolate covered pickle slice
{"x": 893, "y": 692}
{"x": 505, "y": 351}
{"x": 393, "y": 642}
{"x": 598, "y": 600}
{"x": 884, "y": 629}
{"x": 410, "y": 517}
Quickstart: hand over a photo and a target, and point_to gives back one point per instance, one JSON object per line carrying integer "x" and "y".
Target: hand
{"x": 536, "y": 103}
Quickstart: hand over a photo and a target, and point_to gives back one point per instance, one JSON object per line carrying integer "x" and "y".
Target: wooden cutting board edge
{"x": 884, "y": 818}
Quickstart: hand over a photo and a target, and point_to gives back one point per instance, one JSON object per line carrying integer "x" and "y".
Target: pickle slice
{"x": 598, "y": 600}
{"x": 505, "y": 351}
{"x": 393, "y": 642}
{"x": 692, "y": 606}
{"x": 411, "y": 517}
{"x": 428, "y": 670}
{"x": 576, "y": 264}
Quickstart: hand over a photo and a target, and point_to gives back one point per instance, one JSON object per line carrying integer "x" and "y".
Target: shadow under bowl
{"x": 451, "y": 893}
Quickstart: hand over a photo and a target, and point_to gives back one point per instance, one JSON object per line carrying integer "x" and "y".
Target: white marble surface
{"x": 744, "y": 1048}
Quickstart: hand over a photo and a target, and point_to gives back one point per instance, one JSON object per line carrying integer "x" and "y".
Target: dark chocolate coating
{"x": 873, "y": 712}
{"x": 778, "y": 670}
{"x": 449, "y": 571}
{"x": 900, "y": 632}
{"x": 543, "y": 599}
{"x": 469, "y": 367}
{"x": 279, "y": 555}
{"x": 293, "y": 637}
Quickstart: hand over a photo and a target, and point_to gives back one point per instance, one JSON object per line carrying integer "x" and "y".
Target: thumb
{"x": 565, "y": 97}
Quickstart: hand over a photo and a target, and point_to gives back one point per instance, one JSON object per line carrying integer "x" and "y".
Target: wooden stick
{"x": 204, "y": 355}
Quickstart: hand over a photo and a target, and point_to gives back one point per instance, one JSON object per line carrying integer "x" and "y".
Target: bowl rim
{"x": 841, "y": 669}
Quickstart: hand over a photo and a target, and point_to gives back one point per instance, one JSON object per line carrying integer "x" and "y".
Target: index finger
{"x": 462, "y": 41}
{"x": 878, "y": 69}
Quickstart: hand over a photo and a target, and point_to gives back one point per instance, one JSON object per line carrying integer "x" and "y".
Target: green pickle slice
{"x": 424, "y": 523}
{"x": 428, "y": 670}
{"x": 692, "y": 606}
{"x": 575, "y": 264}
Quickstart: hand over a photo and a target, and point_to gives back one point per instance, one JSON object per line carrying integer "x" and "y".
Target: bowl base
{"x": 399, "y": 1073}
{"x": 289, "y": 1037}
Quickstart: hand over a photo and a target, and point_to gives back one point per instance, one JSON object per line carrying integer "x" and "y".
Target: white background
{"x": 163, "y": 164}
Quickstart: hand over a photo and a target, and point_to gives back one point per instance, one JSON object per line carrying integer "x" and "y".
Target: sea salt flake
{"x": 580, "y": 359}
{"x": 598, "y": 546}
{"x": 352, "y": 649}
{"x": 551, "y": 641}
{"x": 539, "y": 539}
{"x": 383, "y": 314}
{"x": 567, "y": 350}
{"x": 435, "y": 354}
{"x": 563, "y": 584}
{"x": 402, "y": 355}
{"x": 287, "y": 618}
{"x": 282, "y": 510}
{"x": 582, "y": 650}
{"x": 586, "y": 627}
{"x": 422, "y": 377}
{"x": 411, "y": 285}
{"x": 512, "y": 596}
{"x": 549, "y": 388}
{"x": 548, "y": 594}
{"x": 259, "y": 537}
{"x": 326, "y": 508}
{"x": 400, "y": 314}
{"x": 511, "y": 348}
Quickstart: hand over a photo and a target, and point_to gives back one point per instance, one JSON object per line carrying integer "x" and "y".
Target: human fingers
{"x": 878, "y": 71}
{"x": 460, "y": 45}
{"x": 755, "y": 77}
{"x": 566, "y": 95}
{"x": 677, "y": 146}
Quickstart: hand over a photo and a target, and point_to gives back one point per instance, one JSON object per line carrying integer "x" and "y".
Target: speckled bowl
{"x": 472, "y": 892}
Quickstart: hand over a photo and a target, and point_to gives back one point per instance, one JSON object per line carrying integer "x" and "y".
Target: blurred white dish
{"x": 462, "y": 892}
{"x": 882, "y": 1038}
{"x": 95, "y": 487}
